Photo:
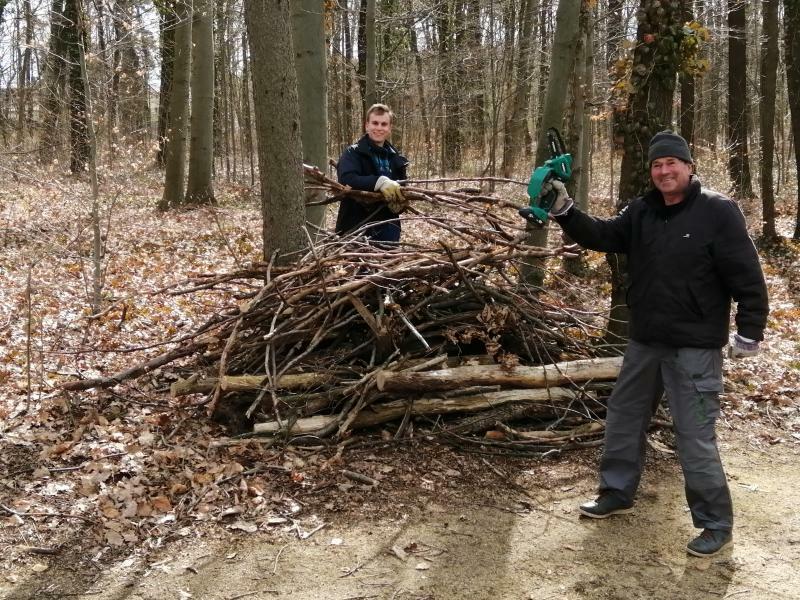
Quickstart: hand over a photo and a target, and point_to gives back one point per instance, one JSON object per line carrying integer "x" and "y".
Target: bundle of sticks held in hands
{"x": 353, "y": 336}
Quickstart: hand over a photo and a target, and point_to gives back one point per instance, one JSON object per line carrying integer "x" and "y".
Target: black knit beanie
{"x": 668, "y": 143}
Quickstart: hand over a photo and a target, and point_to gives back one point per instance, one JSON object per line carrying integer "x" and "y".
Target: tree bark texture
{"x": 370, "y": 93}
{"x": 738, "y": 107}
{"x": 576, "y": 371}
{"x": 515, "y": 122}
{"x": 200, "y": 187}
{"x": 361, "y": 55}
{"x": 768, "y": 83}
{"x": 791, "y": 23}
{"x": 167, "y": 21}
{"x": 310, "y": 59}
{"x": 687, "y": 81}
{"x": 452, "y": 140}
{"x": 277, "y": 116}
{"x": 562, "y": 63}
{"x": 77, "y": 37}
{"x": 175, "y": 147}
{"x": 429, "y": 405}
{"x": 54, "y": 82}
{"x": 648, "y": 111}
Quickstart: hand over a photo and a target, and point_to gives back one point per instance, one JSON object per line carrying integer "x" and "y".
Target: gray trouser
{"x": 692, "y": 379}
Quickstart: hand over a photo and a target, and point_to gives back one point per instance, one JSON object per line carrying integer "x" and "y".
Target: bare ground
{"x": 439, "y": 531}
{"x": 441, "y": 524}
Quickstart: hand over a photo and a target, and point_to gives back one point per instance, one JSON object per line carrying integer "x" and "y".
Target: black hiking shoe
{"x": 605, "y": 506}
{"x": 709, "y": 542}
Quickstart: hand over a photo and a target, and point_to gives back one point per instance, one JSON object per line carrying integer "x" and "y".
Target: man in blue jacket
{"x": 689, "y": 255}
{"x": 372, "y": 164}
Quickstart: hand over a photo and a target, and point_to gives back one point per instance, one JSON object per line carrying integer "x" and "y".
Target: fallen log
{"x": 429, "y": 405}
{"x": 249, "y": 383}
{"x": 135, "y": 371}
{"x": 593, "y": 428}
{"x": 577, "y": 371}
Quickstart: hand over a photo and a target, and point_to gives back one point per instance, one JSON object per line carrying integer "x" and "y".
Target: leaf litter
{"x": 134, "y": 468}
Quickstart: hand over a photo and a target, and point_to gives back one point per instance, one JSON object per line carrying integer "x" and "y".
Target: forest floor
{"x": 124, "y": 494}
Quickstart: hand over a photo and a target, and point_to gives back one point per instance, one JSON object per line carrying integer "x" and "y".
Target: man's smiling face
{"x": 671, "y": 177}
{"x": 378, "y": 127}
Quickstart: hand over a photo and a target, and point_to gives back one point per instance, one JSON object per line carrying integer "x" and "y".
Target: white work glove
{"x": 391, "y": 192}
{"x": 742, "y": 347}
{"x": 563, "y": 202}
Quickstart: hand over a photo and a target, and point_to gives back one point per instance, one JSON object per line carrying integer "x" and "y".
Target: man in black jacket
{"x": 372, "y": 164}
{"x": 689, "y": 255}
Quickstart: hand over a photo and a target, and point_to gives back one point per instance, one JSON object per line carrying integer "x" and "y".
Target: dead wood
{"x": 429, "y": 405}
{"x": 249, "y": 383}
{"x": 352, "y": 334}
{"x": 518, "y": 376}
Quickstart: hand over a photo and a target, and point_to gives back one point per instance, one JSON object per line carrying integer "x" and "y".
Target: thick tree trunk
{"x": 200, "y": 189}
{"x": 513, "y": 138}
{"x": 768, "y": 81}
{"x": 738, "y": 107}
{"x": 579, "y": 126}
{"x": 277, "y": 115}
{"x": 648, "y": 111}
{"x": 54, "y": 80}
{"x": 76, "y": 35}
{"x": 791, "y": 21}
{"x": 687, "y": 81}
{"x": 175, "y": 147}
{"x": 24, "y": 76}
{"x": 308, "y": 37}
{"x": 361, "y": 55}
{"x": 167, "y": 23}
{"x": 452, "y": 136}
{"x": 370, "y": 92}
{"x": 420, "y": 86}
{"x": 562, "y": 63}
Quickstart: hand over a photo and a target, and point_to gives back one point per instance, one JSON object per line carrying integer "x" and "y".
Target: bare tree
{"x": 768, "y": 80}
{"x": 738, "y": 107}
{"x": 517, "y": 117}
{"x": 175, "y": 146}
{"x": 791, "y": 24}
{"x": 687, "y": 81}
{"x": 308, "y": 37}
{"x": 54, "y": 82}
{"x": 280, "y": 152}
{"x": 199, "y": 188}
{"x": 167, "y": 24}
{"x": 562, "y": 64}
{"x": 647, "y": 110}
{"x": 76, "y": 36}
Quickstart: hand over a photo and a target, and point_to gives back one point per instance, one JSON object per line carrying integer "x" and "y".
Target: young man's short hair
{"x": 380, "y": 109}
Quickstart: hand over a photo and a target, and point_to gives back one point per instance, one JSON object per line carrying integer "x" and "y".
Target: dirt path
{"x": 522, "y": 541}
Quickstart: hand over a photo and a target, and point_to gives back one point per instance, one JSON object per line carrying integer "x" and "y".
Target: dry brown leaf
{"x": 113, "y": 538}
{"x": 161, "y": 504}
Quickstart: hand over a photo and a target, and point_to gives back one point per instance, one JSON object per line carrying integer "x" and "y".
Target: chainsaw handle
{"x": 534, "y": 215}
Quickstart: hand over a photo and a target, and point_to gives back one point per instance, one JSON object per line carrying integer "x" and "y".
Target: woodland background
{"x": 192, "y": 87}
{"x": 152, "y": 147}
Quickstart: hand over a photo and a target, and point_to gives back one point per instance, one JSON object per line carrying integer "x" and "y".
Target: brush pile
{"x": 353, "y": 335}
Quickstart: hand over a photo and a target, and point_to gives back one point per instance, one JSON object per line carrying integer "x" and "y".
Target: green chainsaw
{"x": 559, "y": 166}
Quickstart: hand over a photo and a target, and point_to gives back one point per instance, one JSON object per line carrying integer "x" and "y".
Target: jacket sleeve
{"x": 604, "y": 235}
{"x": 349, "y": 171}
{"x": 736, "y": 262}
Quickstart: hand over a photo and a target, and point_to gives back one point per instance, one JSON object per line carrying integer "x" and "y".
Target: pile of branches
{"x": 353, "y": 335}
